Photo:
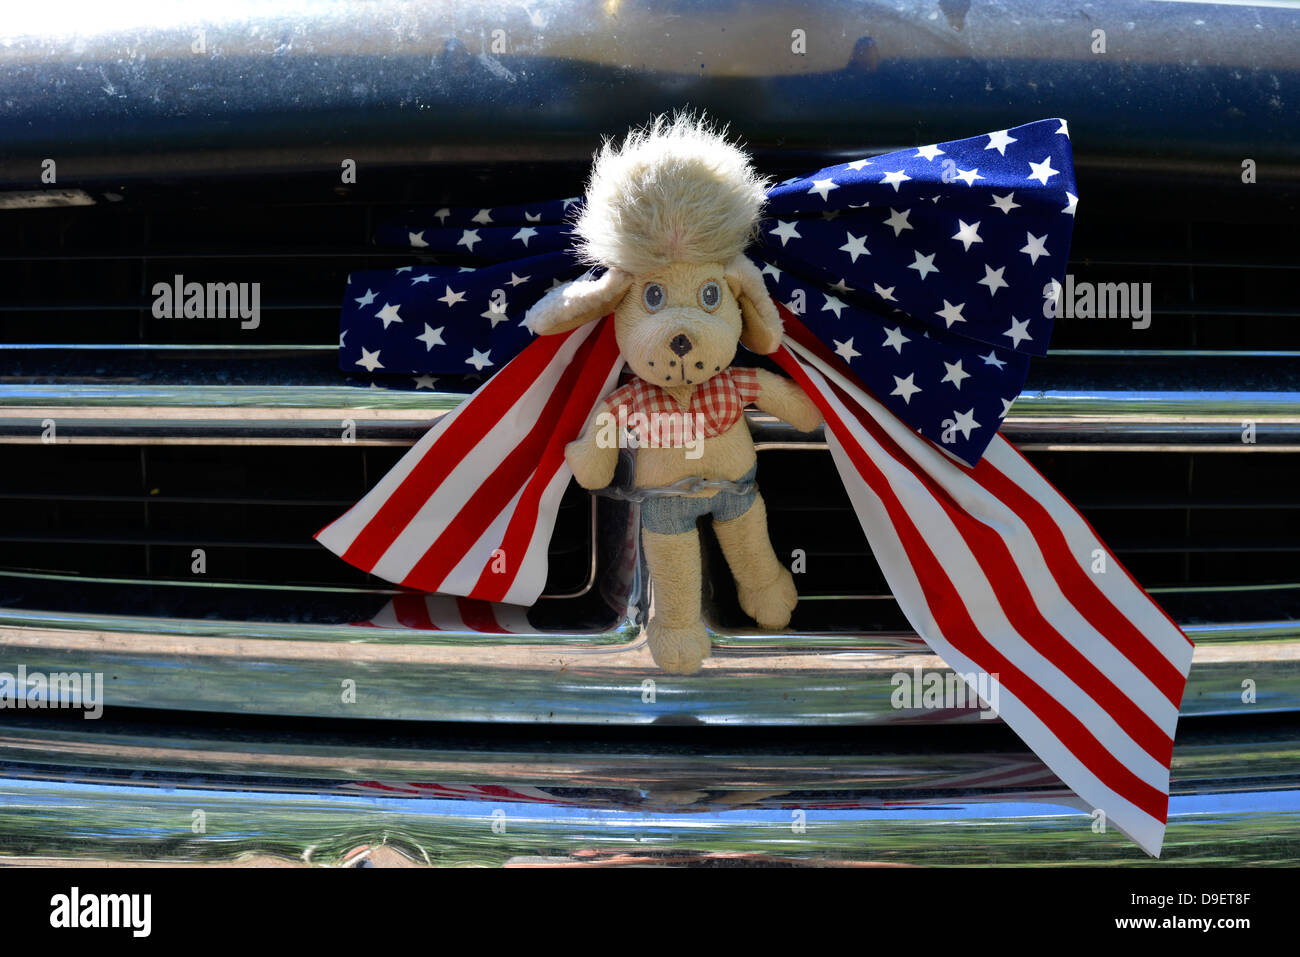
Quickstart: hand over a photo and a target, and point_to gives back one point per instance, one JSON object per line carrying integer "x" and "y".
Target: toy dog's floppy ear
{"x": 575, "y": 303}
{"x": 762, "y": 331}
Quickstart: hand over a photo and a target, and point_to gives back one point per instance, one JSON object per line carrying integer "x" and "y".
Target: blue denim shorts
{"x": 673, "y": 514}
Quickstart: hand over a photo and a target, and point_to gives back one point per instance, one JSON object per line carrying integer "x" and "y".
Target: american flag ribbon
{"x": 430, "y": 612}
{"x": 991, "y": 566}
{"x": 913, "y": 286}
{"x": 470, "y": 509}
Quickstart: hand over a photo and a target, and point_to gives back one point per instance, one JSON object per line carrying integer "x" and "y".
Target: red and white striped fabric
{"x": 992, "y": 567}
{"x": 451, "y": 613}
{"x": 990, "y": 564}
{"x": 470, "y": 509}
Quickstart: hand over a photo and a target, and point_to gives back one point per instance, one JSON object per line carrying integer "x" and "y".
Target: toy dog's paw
{"x": 771, "y": 605}
{"x": 679, "y": 651}
{"x": 592, "y": 466}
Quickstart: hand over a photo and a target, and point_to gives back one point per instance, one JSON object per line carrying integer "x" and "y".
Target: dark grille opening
{"x": 85, "y": 274}
{"x": 1182, "y": 523}
{"x": 123, "y": 512}
{"x": 1187, "y": 519}
{"x": 1214, "y": 252}
{"x": 1220, "y": 277}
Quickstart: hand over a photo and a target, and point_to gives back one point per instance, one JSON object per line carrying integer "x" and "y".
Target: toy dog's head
{"x": 669, "y": 214}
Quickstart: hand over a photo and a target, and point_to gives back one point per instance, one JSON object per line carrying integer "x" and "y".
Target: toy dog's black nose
{"x": 680, "y": 344}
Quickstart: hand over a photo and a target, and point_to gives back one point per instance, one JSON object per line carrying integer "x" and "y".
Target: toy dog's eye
{"x": 654, "y": 296}
{"x": 710, "y": 295}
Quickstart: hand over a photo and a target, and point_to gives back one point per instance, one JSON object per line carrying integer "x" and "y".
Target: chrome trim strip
{"x": 138, "y": 400}
{"x": 1220, "y": 443}
{"x": 597, "y": 677}
{"x": 315, "y": 415}
{"x": 255, "y": 587}
{"x": 332, "y": 803}
{"x": 190, "y": 350}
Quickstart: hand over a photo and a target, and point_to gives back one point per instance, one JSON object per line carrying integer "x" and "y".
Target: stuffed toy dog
{"x": 668, "y": 215}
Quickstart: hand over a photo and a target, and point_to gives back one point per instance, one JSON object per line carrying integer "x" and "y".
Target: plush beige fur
{"x": 674, "y": 191}
{"x": 676, "y": 206}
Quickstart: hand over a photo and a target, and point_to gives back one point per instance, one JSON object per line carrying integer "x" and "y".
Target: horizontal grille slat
{"x": 1195, "y": 538}
{"x": 305, "y": 502}
{"x": 127, "y": 510}
{"x": 300, "y": 237}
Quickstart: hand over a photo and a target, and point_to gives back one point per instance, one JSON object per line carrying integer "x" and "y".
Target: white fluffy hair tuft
{"x": 673, "y": 191}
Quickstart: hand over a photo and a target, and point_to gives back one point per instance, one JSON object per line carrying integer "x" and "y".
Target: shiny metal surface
{"x": 597, "y": 676}
{"x": 130, "y": 794}
{"x": 155, "y": 88}
{"x": 272, "y": 415}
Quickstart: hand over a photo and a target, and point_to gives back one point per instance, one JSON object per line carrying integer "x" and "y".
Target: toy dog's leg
{"x": 678, "y": 639}
{"x": 765, "y": 586}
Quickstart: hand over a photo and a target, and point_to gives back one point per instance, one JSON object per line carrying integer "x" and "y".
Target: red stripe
{"x": 950, "y": 612}
{"x": 412, "y": 611}
{"x": 477, "y": 616}
{"x": 1083, "y": 593}
{"x": 483, "y": 410}
{"x": 494, "y": 494}
{"x": 383, "y": 787}
{"x": 493, "y": 586}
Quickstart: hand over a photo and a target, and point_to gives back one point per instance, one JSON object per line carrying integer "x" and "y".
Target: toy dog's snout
{"x": 680, "y": 344}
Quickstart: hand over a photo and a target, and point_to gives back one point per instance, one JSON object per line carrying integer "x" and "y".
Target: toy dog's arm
{"x": 784, "y": 399}
{"x": 592, "y": 463}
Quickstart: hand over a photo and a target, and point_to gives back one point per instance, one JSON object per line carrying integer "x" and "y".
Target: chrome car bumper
{"x": 131, "y": 795}
{"x": 601, "y": 678}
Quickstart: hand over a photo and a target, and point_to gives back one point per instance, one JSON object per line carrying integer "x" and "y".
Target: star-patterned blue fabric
{"x": 931, "y": 271}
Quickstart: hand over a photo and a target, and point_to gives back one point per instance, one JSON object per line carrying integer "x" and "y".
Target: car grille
{"x": 180, "y": 435}
{"x": 140, "y": 511}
